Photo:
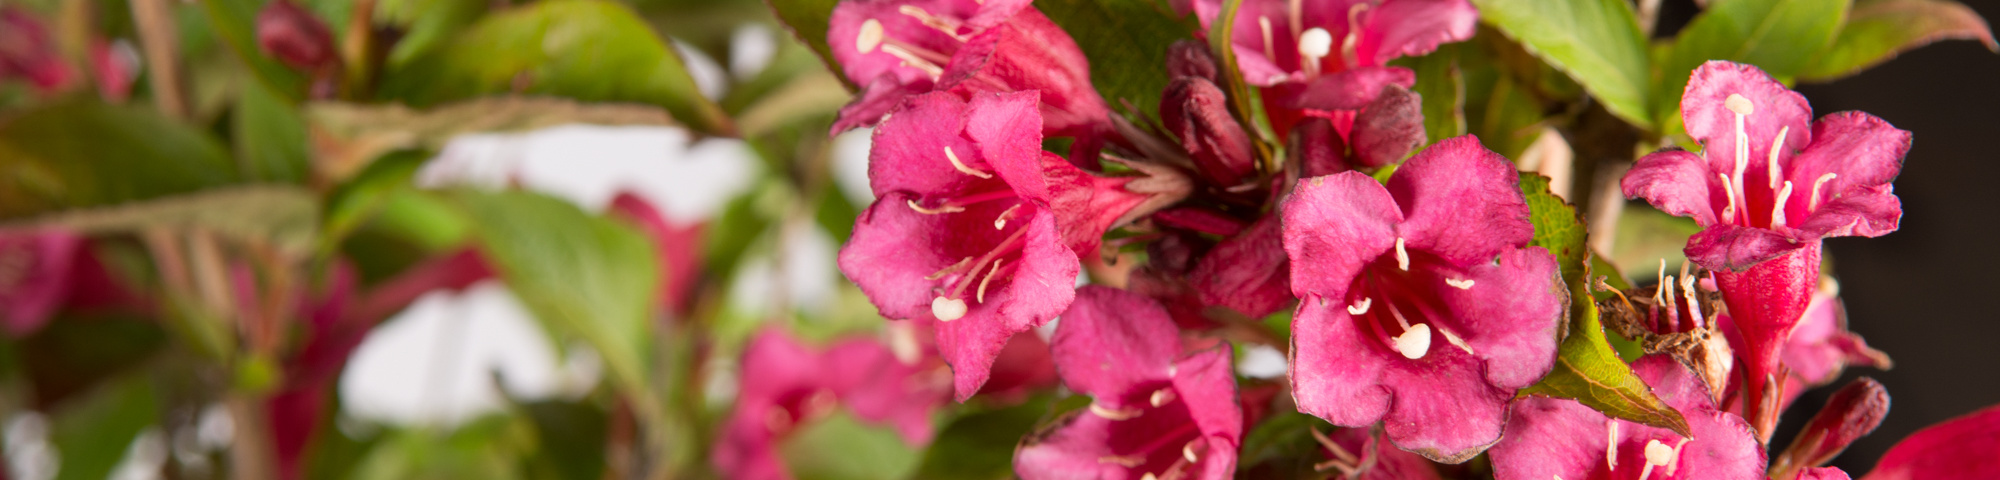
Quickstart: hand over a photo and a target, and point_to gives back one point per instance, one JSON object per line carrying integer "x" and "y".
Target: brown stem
{"x": 156, "y": 33}
{"x": 254, "y": 456}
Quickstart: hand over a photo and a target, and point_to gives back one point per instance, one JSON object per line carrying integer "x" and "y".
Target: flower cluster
{"x": 1424, "y": 304}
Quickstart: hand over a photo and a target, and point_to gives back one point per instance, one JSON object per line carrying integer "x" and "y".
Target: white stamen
{"x": 1687, "y": 291}
{"x": 1161, "y": 397}
{"x": 1402, "y": 255}
{"x": 1270, "y": 50}
{"x": 928, "y": 211}
{"x": 1350, "y": 45}
{"x": 1465, "y": 284}
{"x": 1736, "y": 103}
{"x": 1611, "y": 445}
{"x": 1415, "y": 342}
{"x": 1149, "y": 476}
{"x": 1814, "y": 203}
{"x": 948, "y": 155}
{"x": 1398, "y": 313}
{"x": 1657, "y": 455}
{"x": 1455, "y": 341}
{"x": 1778, "y": 209}
{"x": 945, "y": 25}
{"x": 947, "y": 270}
{"x": 870, "y": 37}
{"x": 1360, "y": 307}
{"x": 1122, "y": 460}
{"x": 1101, "y": 411}
{"x": 947, "y": 309}
{"x": 1187, "y": 452}
{"x": 1000, "y": 222}
{"x": 981, "y": 296}
{"x": 1777, "y": 146}
{"x": 1742, "y": 161}
{"x": 1675, "y": 464}
{"x": 1728, "y": 212}
{"x": 910, "y": 59}
{"x": 1660, "y": 287}
{"x": 1314, "y": 45}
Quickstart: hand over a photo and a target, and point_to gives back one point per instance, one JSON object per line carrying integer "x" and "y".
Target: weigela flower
{"x": 1560, "y": 438}
{"x": 785, "y": 384}
{"x": 1279, "y": 41}
{"x": 678, "y": 245}
{"x": 1420, "y": 305}
{"x": 1155, "y": 412}
{"x": 1851, "y": 413}
{"x": 1958, "y": 448}
{"x": 895, "y": 49}
{"x": 1819, "y": 348}
{"x": 35, "y": 271}
{"x": 1765, "y": 190}
{"x": 974, "y": 225}
{"x": 1359, "y": 455}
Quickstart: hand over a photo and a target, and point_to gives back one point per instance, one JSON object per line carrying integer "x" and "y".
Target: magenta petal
{"x": 777, "y": 372}
{"x": 1864, "y": 154}
{"x": 1462, "y": 202}
{"x": 1111, "y": 340}
{"x": 1042, "y": 287}
{"x": 37, "y": 289}
{"x": 1677, "y": 182}
{"x": 1400, "y": 28}
{"x": 878, "y": 387}
{"x": 876, "y": 100}
{"x": 1341, "y": 222}
{"x": 1958, "y": 448}
{"x": 1772, "y": 108}
{"x": 1208, "y": 385}
{"x": 1549, "y": 437}
{"x": 1030, "y": 53}
{"x": 1443, "y": 408}
{"x": 1008, "y": 131}
{"x": 1726, "y": 248}
{"x": 1822, "y": 473}
{"x": 886, "y": 260}
{"x": 1247, "y": 273}
{"x": 1352, "y": 89}
{"x": 1336, "y": 371}
{"x": 908, "y": 151}
{"x": 1868, "y": 212}
{"x": 1511, "y": 314}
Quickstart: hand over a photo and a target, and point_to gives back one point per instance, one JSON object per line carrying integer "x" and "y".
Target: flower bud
{"x": 296, "y": 37}
{"x": 1190, "y": 58}
{"x": 1196, "y": 111}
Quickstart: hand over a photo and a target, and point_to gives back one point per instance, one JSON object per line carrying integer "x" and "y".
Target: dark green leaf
{"x": 808, "y": 21}
{"x": 484, "y": 449}
{"x": 839, "y": 447}
{"x": 1285, "y": 443}
{"x": 1597, "y": 42}
{"x": 1779, "y": 36}
{"x": 569, "y": 439}
{"x": 1877, "y": 30}
{"x": 285, "y": 217}
{"x": 980, "y": 446}
{"x": 270, "y": 137}
{"x": 92, "y": 432}
{"x": 1587, "y": 368}
{"x": 82, "y": 153}
{"x": 1442, "y": 87}
{"x": 75, "y": 353}
{"x": 1126, "y": 42}
{"x": 588, "y": 50}
{"x": 583, "y": 276}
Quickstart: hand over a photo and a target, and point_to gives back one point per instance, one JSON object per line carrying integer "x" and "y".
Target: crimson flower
{"x": 786, "y": 384}
{"x": 974, "y": 225}
{"x": 1765, "y": 190}
{"x": 296, "y": 37}
{"x": 1958, "y": 448}
{"x": 35, "y": 270}
{"x": 1820, "y": 346}
{"x": 1359, "y": 455}
{"x": 896, "y": 49}
{"x": 1560, "y": 438}
{"x": 1279, "y": 41}
{"x": 1438, "y": 257}
{"x": 1155, "y": 412}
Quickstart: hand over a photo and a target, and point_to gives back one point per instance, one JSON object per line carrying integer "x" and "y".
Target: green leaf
{"x": 1779, "y": 36}
{"x": 980, "y": 446}
{"x": 349, "y": 136}
{"x": 81, "y": 153}
{"x": 841, "y": 448}
{"x": 1126, "y": 42}
{"x": 487, "y": 448}
{"x": 1442, "y": 86}
{"x": 583, "y": 276}
{"x": 235, "y": 21}
{"x": 1587, "y": 368}
{"x": 270, "y": 137}
{"x": 808, "y": 20}
{"x": 570, "y": 439}
{"x": 285, "y": 217}
{"x": 1286, "y": 444}
{"x": 588, "y": 50}
{"x": 91, "y": 433}
{"x": 1597, "y": 42}
{"x": 427, "y": 24}
{"x": 1646, "y": 237}
{"x": 1877, "y": 30}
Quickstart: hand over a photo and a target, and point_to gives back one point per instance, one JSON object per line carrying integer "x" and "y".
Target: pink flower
{"x": 1359, "y": 455}
{"x": 1819, "y": 348}
{"x": 896, "y": 49}
{"x": 28, "y": 51}
{"x": 1958, "y": 448}
{"x": 785, "y": 384}
{"x": 36, "y": 268}
{"x": 1279, "y": 41}
{"x": 678, "y": 245}
{"x": 1156, "y": 412}
{"x": 1851, "y": 413}
{"x": 1420, "y": 305}
{"x": 1559, "y": 438}
{"x": 1765, "y": 190}
{"x": 975, "y": 226}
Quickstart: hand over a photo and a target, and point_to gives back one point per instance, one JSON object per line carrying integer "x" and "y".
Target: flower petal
{"x": 1443, "y": 408}
{"x": 1041, "y": 288}
{"x": 1351, "y": 89}
{"x": 1706, "y": 111}
{"x": 1247, "y": 273}
{"x": 1510, "y": 315}
{"x": 1336, "y": 372}
{"x": 1462, "y": 202}
{"x": 908, "y": 150}
{"x": 1399, "y": 28}
{"x": 42, "y": 284}
{"x": 1727, "y": 248}
{"x": 1334, "y": 225}
{"x": 1958, "y": 448}
{"x": 1677, "y": 182}
{"x": 1112, "y": 340}
{"x": 1206, "y": 382}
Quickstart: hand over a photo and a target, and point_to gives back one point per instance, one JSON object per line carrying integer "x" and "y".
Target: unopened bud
{"x": 1194, "y": 109}
{"x": 1190, "y": 58}
{"x": 296, "y": 37}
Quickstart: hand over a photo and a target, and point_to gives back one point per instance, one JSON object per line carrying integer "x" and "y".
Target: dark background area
{"x": 1926, "y": 294}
